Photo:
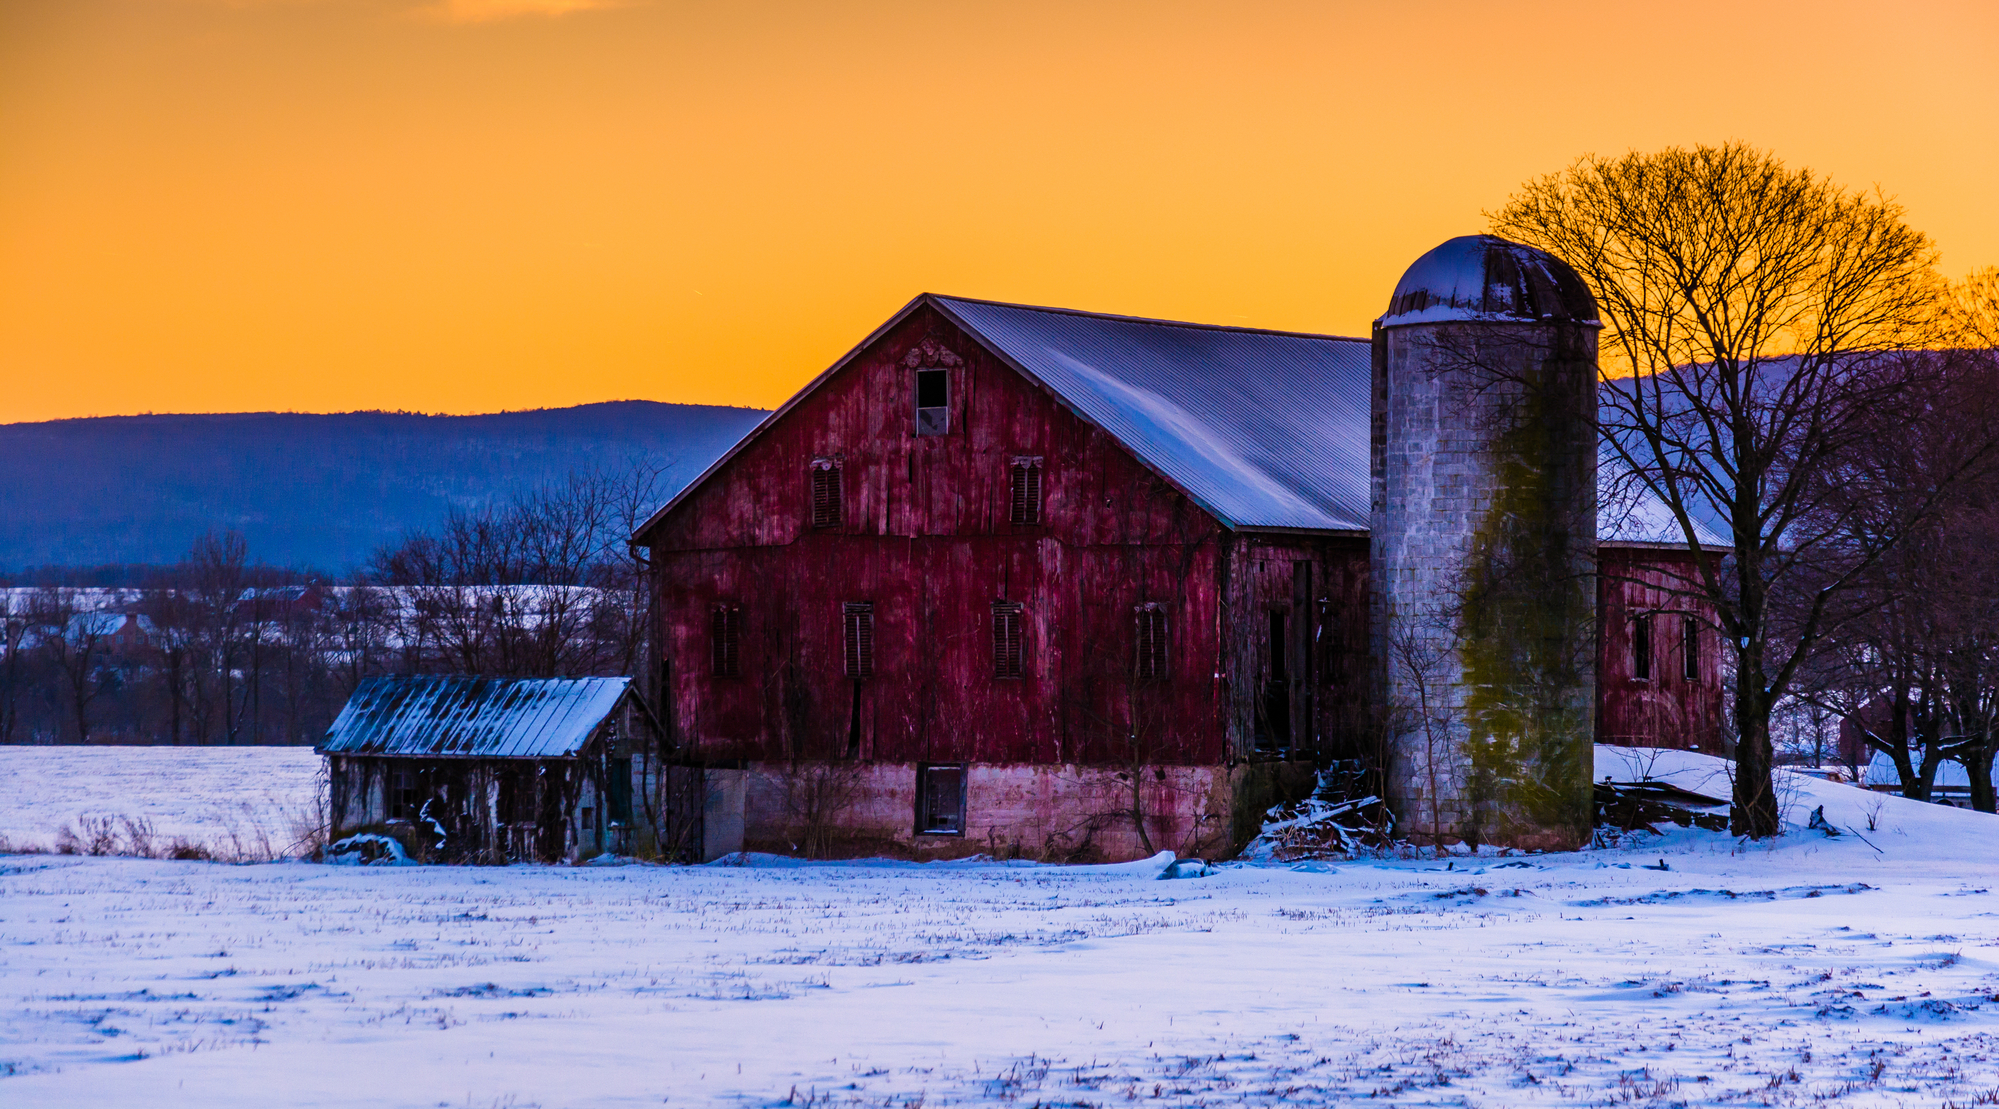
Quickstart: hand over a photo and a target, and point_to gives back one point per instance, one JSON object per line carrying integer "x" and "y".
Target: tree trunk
{"x": 1754, "y": 813}
{"x": 1978, "y": 763}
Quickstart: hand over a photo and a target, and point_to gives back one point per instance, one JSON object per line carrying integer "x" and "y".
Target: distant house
{"x": 278, "y": 603}
{"x": 498, "y": 769}
{"x": 116, "y": 632}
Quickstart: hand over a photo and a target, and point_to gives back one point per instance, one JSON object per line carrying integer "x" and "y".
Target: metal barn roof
{"x": 1265, "y": 429}
{"x": 473, "y": 717}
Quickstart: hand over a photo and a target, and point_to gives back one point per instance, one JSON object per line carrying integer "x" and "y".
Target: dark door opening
{"x": 1274, "y": 719}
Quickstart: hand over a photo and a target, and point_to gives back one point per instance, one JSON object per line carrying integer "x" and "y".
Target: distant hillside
{"x": 311, "y": 490}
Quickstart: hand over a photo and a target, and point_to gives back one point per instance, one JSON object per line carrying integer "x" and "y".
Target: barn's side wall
{"x": 1668, "y": 709}
{"x": 926, "y": 538}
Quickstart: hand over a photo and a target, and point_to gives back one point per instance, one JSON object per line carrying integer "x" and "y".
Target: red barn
{"x": 1027, "y": 581}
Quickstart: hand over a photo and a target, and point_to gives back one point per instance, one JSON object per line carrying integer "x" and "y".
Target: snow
{"x": 1852, "y": 970}
{"x": 233, "y": 801}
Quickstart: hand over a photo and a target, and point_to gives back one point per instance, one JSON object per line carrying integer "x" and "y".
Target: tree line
{"x": 222, "y": 649}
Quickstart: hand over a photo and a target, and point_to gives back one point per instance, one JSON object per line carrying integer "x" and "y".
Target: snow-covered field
{"x": 234, "y": 802}
{"x": 1861, "y": 970}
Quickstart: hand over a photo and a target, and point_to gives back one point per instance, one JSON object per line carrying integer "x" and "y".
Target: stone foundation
{"x": 1052, "y": 813}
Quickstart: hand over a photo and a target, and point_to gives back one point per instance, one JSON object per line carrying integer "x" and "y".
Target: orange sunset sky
{"x": 471, "y": 205}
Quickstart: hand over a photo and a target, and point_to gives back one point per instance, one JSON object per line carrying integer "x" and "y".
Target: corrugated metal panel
{"x": 1265, "y": 429}
{"x": 473, "y": 717}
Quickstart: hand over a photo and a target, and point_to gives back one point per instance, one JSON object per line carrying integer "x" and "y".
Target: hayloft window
{"x": 726, "y": 636}
{"x": 1641, "y": 648}
{"x": 858, "y": 639}
{"x": 933, "y": 402}
{"x": 1690, "y": 648}
{"x": 1024, "y": 491}
{"x": 1007, "y": 620}
{"x": 826, "y": 493}
{"x": 1151, "y": 643}
{"x": 940, "y": 800}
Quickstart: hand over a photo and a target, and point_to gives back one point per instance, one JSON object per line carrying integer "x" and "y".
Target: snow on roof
{"x": 1951, "y": 774}
{"x": 473, "y": 717}
{"x": 1264, "y": 429}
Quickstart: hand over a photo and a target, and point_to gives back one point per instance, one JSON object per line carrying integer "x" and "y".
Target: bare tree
{"x": 543, "y": 586}
{"x": 1755, "y": 318}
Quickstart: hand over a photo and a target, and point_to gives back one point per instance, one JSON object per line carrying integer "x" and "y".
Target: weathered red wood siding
{"x": 1668, "y": 709}
{"x": 926, "y": 538}
{"x": 1320, "y": 585}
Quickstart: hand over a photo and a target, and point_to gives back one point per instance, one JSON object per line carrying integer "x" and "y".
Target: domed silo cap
{"x": 1485, "y": 278}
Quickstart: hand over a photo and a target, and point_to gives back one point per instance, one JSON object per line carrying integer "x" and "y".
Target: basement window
{"x": 858, "y": 639}
{"x": 1641, "y": 648}
{"x": 726, "y": 635}
{"x": 933, "y": 402}
{"x": 826, "y": 493}
{"x": 1024, "y": 492}
{"x": 1151, "y": 665}
{"x": 940, "y": 799}
{"x": 1690, "y": 648}
{"x": 1007, "y": 621}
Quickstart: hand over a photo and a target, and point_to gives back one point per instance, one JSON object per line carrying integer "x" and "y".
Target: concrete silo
{"x": 1483, "y": 532}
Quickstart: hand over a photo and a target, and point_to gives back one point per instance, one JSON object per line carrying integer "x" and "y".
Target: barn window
{"x": 1024, "y": 491}
{"x": 1641, "y": 648}
{"x": 516, "y": 797}
{"x": 618, "y": 792}
{"x": 933, "y": 402}
{"x": 1007, "y": 620}
{"x": 858, "y": 639}
{"x": 1690, "y": 648}
{"x": 940, "y": 799}
{"x": 727, "y": 641}
{"x": 1151, "y": 643}
{"x": 402, "y": 790}
{"x": 826, "y": 493}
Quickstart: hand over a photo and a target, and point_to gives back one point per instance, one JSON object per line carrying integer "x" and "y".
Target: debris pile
{"x": 1638, "y": 806}
{"x": 1317, "y": 828}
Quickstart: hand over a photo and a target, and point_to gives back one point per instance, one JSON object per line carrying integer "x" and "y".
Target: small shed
{"x": 495, "y": 770}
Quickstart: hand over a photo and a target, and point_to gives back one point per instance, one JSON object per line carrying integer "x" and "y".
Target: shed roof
{"x": 458, "y": 717}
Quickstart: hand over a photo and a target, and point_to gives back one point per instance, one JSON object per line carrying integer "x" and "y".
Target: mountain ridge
{"x": 314, "y": 489}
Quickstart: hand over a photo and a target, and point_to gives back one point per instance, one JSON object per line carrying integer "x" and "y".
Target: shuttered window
{"x": 858, "y": 639}
{"x": 1641, "y": 648}
{"x": 1024, "y": 491}
{"x": 1007, "y": 619}
{"x": 1690, "y": 648}
{"x": 1151, "y": 643}
{"x": 727, "y": 636}
{"x": 826, "y": 493}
